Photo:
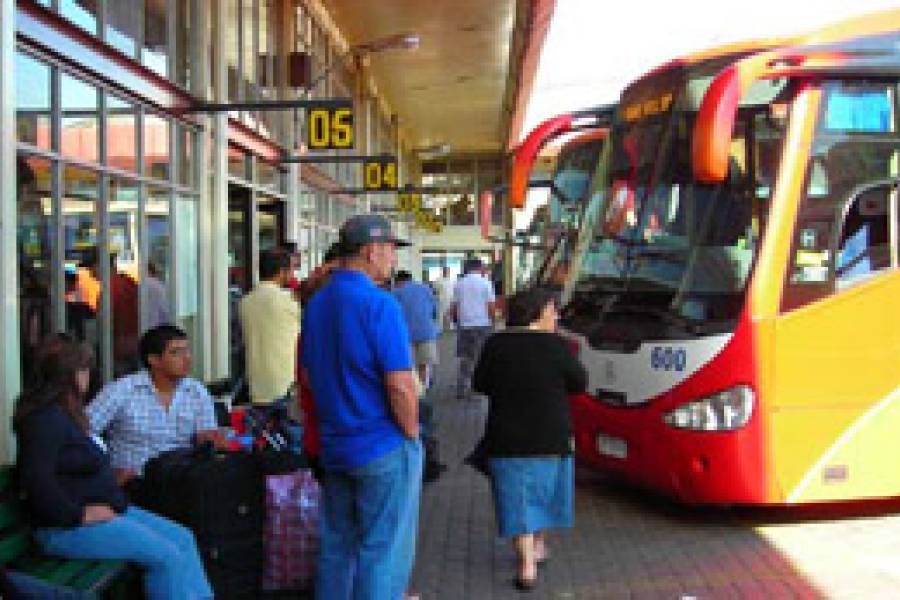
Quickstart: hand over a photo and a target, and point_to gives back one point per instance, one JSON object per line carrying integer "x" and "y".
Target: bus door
{"x": 836, "y": 369}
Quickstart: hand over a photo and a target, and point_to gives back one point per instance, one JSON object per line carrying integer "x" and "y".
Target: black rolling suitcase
{"x": 221, "y": 498}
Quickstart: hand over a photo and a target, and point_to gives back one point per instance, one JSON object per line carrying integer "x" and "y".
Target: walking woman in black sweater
{"x": 78, "y": 509}
{"x": 528, "y": 372}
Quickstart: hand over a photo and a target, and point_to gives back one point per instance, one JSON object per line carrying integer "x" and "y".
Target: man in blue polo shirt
{"x": 357, "y": 359}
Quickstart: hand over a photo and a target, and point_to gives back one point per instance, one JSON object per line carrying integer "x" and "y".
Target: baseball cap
{"x": 359, "y": 230}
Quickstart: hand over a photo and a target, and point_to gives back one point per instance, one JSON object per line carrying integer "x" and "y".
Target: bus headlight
{"x": 725, "y": 411}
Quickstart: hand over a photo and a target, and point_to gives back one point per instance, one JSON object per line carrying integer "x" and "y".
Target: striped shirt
{"x": 130, "y": 416}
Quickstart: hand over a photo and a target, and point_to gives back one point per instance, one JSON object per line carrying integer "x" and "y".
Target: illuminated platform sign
{"x": 329, "y": 126}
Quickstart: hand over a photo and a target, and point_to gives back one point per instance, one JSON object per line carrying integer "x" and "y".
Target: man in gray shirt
{"x": 473, "y": 307}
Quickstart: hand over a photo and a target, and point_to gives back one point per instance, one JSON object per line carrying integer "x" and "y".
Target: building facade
{"x": 123, "y": 205}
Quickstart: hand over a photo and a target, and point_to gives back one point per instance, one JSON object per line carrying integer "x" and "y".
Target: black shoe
{"x": 524, "y": 585}
{"x": 432, "y": 471}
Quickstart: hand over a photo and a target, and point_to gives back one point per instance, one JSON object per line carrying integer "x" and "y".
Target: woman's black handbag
{"x": 478, "y": 458}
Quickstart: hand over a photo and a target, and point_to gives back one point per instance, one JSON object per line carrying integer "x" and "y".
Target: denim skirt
{"x": 532, "y": 493}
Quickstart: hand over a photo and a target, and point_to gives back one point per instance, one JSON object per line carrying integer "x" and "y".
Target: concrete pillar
{"x": 201, "y": 79}
{"x": 287, "y": 132}
{"x": 219, "y": 206}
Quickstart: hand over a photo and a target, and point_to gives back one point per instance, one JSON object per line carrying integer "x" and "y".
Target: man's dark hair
{"x": 334, "y": 251}
{"x": 525, "y": 307}
{"x": 155, "y": 340}
{"x": 272, "y": 262}
{"x": 351, "y": 250}
{"x": 403, "y": 276}
{"x": 471, "y": 265}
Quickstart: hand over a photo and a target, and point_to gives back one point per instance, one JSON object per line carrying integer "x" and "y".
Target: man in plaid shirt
{"x": 154, "y": 410}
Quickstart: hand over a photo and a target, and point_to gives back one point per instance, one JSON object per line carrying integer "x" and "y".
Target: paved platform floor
{"x": 626, "y": 544}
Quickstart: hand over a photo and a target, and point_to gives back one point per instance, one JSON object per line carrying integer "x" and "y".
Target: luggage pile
{"x": 219, "y": 496}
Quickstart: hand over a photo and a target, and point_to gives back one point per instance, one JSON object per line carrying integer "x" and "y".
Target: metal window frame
{"x": 105, "y": 175}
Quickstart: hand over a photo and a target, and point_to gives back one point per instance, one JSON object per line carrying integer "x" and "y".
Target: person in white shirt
{"x": 473, "y": 306}
{"x": 443, "y": 287}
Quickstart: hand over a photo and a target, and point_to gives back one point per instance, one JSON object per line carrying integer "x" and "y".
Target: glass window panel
{"x": 267, "y": 175}
{"x": 268, "y": 75}
{"x": 264, "y": 56}
{"x": 183, "y": 43}
{"x": 80, "y": 225}
{"x": 155, "y": 54}
{"x": 270, "y": 213}
{"x": 34, "y": 244}
{"x": 322, "y": 209}
{"x": 238, "y": 267}
{"x": 81, "y": 12}
{"x": 121, "y": 139}
{"x": 186, "y": 156}
{"x": 80, "y": 134}
{"x": 123, "y": 26}
{"x": 32, "y": 101}
{"x": 155, "y": 297}
{"x": 186, "y": 253}
{"x": 865, "y": 241}
{"x": 232, "y": 48}
{"x": 238, "y": 165}
{"x": 248, "y": 59}
{"x": 124, "y": 252}
{"x": 188, "y": 268}
{"x": 838, "y": 163}
{"x": 156, "y": 147}
{"x": 238, "y": 239}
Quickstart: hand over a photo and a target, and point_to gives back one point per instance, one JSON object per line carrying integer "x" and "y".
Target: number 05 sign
{"x": 330, "y": 126}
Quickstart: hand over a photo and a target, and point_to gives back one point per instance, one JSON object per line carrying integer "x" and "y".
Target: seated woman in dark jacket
{"x": 528, "y": 372}
{"x": 75, "y": 504}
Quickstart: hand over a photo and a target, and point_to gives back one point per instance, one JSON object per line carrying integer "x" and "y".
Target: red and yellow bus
{"x": 578, "y": 139}
{"x": 736, "y": 290}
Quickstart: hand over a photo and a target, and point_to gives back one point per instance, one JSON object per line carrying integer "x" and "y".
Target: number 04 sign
{"x": 330, "y": 126}
{"x": 380, "y": 174}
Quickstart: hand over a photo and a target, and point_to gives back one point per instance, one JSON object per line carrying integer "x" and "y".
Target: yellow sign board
{"x": 411, "y": 202}
{"x": 380, "y": 174}
{"x": 330, "y": 126}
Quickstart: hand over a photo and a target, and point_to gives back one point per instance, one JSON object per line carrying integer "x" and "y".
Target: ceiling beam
{"x": 532, "y": 23}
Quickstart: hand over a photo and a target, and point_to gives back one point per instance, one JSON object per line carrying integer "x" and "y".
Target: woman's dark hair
{"x": 155, "y": 340}
{"x": 525, "y": 307}
{"x": 56, "y": 364}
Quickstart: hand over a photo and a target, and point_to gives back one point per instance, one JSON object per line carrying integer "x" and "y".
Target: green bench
{"x": 19, "y": 551}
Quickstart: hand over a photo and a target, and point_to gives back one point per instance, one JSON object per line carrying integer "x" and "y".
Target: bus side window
{"x": 864, "y": 246}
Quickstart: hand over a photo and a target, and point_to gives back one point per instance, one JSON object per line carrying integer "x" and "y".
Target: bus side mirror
{"x": 713, "y": 128}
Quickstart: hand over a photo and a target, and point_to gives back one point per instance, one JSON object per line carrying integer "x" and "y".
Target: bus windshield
{"x": 655, "y": 241}
{"x": 556, "y": 226}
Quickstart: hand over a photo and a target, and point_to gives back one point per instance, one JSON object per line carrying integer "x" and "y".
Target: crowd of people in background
{"x": 355, "y": 364}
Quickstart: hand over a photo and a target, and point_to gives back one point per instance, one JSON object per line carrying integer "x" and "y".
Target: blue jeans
{"x": 166, "y": 550}
{"x": 368, "y": 527}
{"x": 26, "y": 587}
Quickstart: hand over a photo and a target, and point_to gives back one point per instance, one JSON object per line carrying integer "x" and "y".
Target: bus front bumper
{"x": 696, "y": 467}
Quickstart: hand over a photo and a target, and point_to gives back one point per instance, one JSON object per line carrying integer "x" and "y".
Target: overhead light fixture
{"x": 397, "y": 41}
{"x": 361, "y": 52}
{"x": 434, "y": 150}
